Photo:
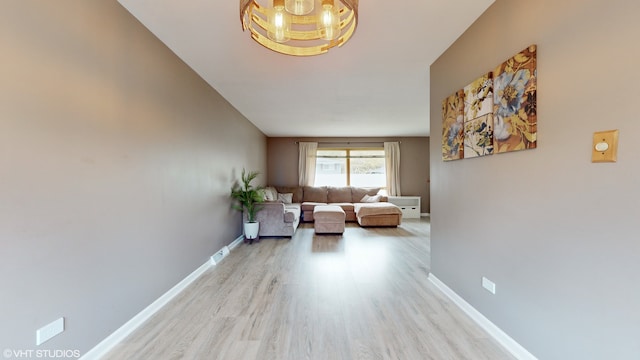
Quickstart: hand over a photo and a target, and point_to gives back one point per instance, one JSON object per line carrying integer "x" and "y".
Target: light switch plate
{"x": 610, "y": 138}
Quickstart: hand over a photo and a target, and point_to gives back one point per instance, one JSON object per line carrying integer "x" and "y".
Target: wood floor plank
{"x": 360, "y": 295}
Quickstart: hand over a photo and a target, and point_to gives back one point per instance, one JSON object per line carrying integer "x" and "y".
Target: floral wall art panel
{"x": 478, "y": 137}
{"x": 478, "y": 98}
{"x": 453, "y": 126}
{"x": 515, "y": 116}
{"x": 478, "y": 117}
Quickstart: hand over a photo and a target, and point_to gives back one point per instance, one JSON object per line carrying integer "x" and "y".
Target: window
{"x": 355, "y": 167}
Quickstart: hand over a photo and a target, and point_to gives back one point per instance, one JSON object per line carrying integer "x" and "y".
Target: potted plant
{"x": 247, "y": 199}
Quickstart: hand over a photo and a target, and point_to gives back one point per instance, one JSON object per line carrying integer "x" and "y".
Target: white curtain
{"x": 392, "y": 164}
{"x": 307, "y": 163}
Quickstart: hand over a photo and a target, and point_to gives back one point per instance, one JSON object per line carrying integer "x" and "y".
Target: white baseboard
{"x": 236, "y": 242}
{"x": 500, "y": 336}
{"x": 119, "y": 335}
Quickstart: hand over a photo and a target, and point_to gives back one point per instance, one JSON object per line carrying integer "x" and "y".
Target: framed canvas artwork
{"x": 453, "y": 126}
{"x": 478, "y": 98}
{"x": 478, "y": 136}
{"x": 478, "y": 117}
{"x": 496, "y": 113}
{"x": 514, "y": 103}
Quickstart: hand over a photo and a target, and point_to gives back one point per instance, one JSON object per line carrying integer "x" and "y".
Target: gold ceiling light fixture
{"x": 300, "y": 27}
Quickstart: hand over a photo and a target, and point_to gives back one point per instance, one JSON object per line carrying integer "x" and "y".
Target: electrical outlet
{"x": 489, "y": 285}
{"x": 48, "y": 331}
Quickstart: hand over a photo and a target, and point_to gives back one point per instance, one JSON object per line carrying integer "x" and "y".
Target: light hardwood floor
{"x": 363, "y": 295}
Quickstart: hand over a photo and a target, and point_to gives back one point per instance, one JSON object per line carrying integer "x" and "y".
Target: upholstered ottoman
{"x": 378, "y": 214}
{"x": 328, "y": 219}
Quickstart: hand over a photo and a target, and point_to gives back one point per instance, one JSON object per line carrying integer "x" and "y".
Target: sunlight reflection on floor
{"x": 365, "y": 260}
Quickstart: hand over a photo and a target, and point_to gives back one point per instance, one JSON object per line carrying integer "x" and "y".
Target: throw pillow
{"x": 270, "y": 194}
{"x": 285, "y": 198}
{"x": 370, "y": 199}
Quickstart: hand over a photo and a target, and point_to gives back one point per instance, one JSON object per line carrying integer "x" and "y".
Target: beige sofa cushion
{"x": 285, "y": 198}
{"x": 378, "y": 208}
{"x": 339, "y": 194}
{"x": 370, "y": 199}
{"x": 346, "y": 206}
{"x": 295, "y": 190}
{"x": 309, "y": 206}
{"x": 270, "y": 193}
{"x": 357, "y": 193}
{"x": 315, "y": 194}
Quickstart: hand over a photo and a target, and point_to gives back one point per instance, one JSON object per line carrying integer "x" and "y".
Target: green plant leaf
{"x": 247, "y": 197}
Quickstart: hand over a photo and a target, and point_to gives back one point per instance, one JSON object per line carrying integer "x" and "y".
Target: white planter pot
{"x": 251, "y": 229}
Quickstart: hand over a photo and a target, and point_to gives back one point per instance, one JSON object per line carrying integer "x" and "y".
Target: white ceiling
{"x": 375, "y": 85}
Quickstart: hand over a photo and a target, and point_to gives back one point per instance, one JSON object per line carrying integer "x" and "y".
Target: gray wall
{"x": 414, "y": 162}
{"x": 116, "y": 162}
{"x": 555, "y": 232}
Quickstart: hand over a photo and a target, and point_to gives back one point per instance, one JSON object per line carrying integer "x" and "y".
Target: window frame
{"x": 348, "y": 158}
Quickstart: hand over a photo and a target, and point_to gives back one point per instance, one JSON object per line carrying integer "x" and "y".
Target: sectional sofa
{"x": 285, "y": 207}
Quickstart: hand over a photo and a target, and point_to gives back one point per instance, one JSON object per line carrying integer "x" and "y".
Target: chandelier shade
{"x": 300, "y": 27}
